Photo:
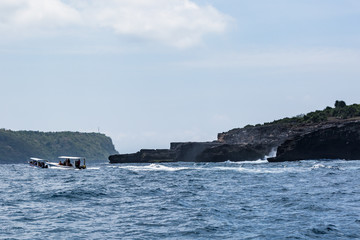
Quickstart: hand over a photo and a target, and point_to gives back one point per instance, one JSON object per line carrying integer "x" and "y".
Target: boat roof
{"x": 38, "y": 159}
{"x": 73, "y": 158}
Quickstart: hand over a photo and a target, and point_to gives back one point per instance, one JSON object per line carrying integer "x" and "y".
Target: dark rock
{"x": 339, "y": 141}
{"x": 190, "y": 151}
{"x": 233, "y": 153}
{"x": 178, "y": 152}
{"x": 269, "y": 136}
{"x": 194, "y": 152}
{"x": 145, "y": 156}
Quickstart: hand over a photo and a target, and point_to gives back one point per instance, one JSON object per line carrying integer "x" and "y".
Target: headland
{"x": 19, "y": 146}
{"x": 332, "y": 133}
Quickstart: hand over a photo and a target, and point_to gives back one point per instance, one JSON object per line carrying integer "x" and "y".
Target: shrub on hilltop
{"x": 340, "y": 111}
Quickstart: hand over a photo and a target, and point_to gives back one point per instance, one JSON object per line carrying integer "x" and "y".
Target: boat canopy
{"x": 76, "y": 159}
{"x": 38, "y": 159}
{"x": 72, "y": 158}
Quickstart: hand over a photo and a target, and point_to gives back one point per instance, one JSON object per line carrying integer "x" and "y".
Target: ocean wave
{"x": 259, "y": 161}
{"x": 182, "y": 201}
{"x": 246, "y": 167}
{"x": 153, "y": 167}
{"x": 319, "y": 166}
{"x": 74, "y": 194}
{"x": 261, "y": 170}
{"x": 92, "y": 168}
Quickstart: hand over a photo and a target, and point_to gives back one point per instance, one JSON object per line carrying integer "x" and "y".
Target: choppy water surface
{"x": 300, "y": 200}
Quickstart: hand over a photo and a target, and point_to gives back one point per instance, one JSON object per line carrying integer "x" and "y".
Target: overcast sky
{"x": 150, "y": 72}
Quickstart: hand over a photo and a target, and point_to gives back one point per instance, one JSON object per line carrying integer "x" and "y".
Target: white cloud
{"x": 22, "y": 14}
{"x": 180, "y": 23}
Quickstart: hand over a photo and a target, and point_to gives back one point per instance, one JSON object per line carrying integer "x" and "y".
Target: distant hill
{"x": 19, "y": 146}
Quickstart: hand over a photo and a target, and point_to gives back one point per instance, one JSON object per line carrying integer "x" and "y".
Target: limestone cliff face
{"x": 273, "y": 135}
{"x": 243, "y": 144}
{"x": 340, "y": 141}
{"x": 269, "y": 136}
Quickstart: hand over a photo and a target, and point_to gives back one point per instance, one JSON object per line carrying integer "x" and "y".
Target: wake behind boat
{"x": 67, "y": 162}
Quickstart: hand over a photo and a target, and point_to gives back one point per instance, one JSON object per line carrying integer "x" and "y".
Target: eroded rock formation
{"x": 341, "y": 141}
{"x": 335, "y": 138}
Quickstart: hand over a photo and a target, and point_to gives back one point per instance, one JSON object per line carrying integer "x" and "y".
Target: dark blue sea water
{"x": 293, "y": 200}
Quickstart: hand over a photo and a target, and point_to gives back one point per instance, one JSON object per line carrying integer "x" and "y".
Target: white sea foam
{"x": 93, "y": 168}
{"x": 235, "y": 167}
{"x": 259, "y": 161}
{"x": 53, "y": 165}
{"x": 154, "y": 167}
{"x": 271, "y": 154}
{"x": 318, "y": 166}
{"x": 260, "y": 170}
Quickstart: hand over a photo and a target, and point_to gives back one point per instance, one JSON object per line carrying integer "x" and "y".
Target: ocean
{"x": 244, "y": 200}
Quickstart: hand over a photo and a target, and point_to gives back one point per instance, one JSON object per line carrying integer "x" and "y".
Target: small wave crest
{"x": 319, "y": 166}
{"x": 154, "y": 167}
{"x": 75, "y": 194}
{"x": 92, "y": 168}
{"x": 259, "y": 161}
{"x": 316, "y": 166}
{"x": 260, "y": 170}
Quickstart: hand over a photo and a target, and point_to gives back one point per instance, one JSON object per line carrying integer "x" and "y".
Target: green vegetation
{"x": 340, "y": 111}
{"x": 19, "y": 146}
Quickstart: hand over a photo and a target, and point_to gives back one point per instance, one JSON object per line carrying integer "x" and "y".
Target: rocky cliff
{"x": 216, "y": 151}
{"x": 292, "y": 141}
{"x": 318, "y": 134}
{"x": 336, "y": 141}
{"x": 272, "y": 135}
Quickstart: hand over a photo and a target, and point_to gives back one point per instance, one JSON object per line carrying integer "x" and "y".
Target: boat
{"x": 67, "y": 162}
{"x": 38, "y": 162}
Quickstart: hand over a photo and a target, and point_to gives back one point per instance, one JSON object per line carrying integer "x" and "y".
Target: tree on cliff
{"x": 341, "y": 110}
{"x": 340, "y": 104}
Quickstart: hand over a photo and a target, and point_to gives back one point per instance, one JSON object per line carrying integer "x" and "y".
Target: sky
{"x": 150, "y": 72}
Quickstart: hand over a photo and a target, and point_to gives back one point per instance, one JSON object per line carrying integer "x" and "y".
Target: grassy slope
{"x": 328, "y": 114}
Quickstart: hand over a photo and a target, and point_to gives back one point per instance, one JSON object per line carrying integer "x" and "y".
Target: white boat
{"x": 70, "y": 162}
{"x": 38, "y": 162}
